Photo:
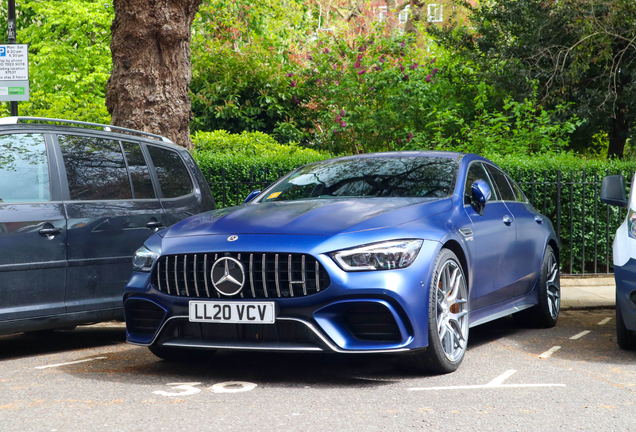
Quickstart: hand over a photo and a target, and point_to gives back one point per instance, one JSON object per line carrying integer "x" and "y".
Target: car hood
{"x": 315, "y": 217}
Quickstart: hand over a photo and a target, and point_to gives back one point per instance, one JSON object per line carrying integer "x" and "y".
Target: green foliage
{"x": 581, "y": 52}
{"x": 518, "y": 128}
{"x": 240, "y": 61}
{"x": 69, "y": 57}
{"x": 236, "y": 164}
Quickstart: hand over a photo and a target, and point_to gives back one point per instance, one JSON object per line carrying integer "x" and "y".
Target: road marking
{"x": 233, "y": 387}
{"x": 496, "y": 383}
{"x": 549, "y": 352}
{"x": 580, "y": 335}
{"x": 605, "y": 321}
{"x": 188, "y": 389}
{"x": 70, "y": 363}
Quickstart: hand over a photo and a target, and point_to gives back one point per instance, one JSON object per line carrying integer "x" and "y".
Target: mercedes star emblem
{"x": 232, "y": 238}
{"x": 228, "y": 276}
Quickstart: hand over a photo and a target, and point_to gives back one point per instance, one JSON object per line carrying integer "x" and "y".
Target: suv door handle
{"x": 49, "y": 233}
{"x": 507, "y": 220}
{"x": 155, "y": 225}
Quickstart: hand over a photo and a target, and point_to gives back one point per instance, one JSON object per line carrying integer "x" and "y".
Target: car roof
{"x": 48, "y": 125}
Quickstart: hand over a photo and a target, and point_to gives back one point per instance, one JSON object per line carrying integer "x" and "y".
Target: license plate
{"x": 232, "y": 312}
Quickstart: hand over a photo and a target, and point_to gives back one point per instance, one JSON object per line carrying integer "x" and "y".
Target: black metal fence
{"x": 571, "y": 200}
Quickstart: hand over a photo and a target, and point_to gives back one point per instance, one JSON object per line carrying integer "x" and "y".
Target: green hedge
{"x": 237, "y": 164}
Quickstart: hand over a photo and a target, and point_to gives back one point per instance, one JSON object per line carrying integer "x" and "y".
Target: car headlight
{"x": 631, "y": 224}
{"x": 389, "y": 255}
{"x": 144, "y": 259}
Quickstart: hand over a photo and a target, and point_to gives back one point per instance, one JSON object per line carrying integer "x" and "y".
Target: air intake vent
{"x": 370, "y": 321}
{"x": 265, "y": 275}
{"x": 143, "y": 317}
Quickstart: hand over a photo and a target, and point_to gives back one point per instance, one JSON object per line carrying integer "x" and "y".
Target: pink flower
{"x": 290, "y": 74}
{"x": 428, "y": 78}
{"x": 361, "y": 72}
{"x": 410, "y": 136}
{"x": 406, "y": 77}
{"x": 343, "y": 124}
{"x": 342, "y": 112}
{"x": 337, "y": 83}
{"x": 399, "y": 141}
{"x": 326, "y": 50}
{"x": 434, "y": 71}
{"x": 382, "y": 58}
{"x": 401, "y": 68}
{"x": 356, "y": 65}
{"x": 433, "y": 60}
{"x": 371, "y": 88}
{"x": 414, "y": 66}
{"x": 338, "y": 118}
{"x": 292, "y": 83}
{"x": 310, "y": 58}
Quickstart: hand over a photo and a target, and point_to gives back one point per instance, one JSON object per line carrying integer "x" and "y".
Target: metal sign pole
{"x": 11, "y": 33}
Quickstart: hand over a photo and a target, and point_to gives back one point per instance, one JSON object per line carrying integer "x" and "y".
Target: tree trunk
{"x": 618, "y": 133}
{"x": 148, "y": 86}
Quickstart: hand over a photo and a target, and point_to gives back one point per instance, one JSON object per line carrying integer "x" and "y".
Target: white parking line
{"x": 496, "y": 383}
{"x": 549, "y": 352}
{"x": 70, "y": 363}
{"x": 580, "y": 335}
{"x": 605, "y": 321}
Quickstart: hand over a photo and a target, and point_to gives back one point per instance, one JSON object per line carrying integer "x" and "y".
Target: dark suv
{"x": 75, "y": 204}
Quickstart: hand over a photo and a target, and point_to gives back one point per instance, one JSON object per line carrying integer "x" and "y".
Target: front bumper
{"x": 361, "y": 312}
{"x": 625, "y": 277}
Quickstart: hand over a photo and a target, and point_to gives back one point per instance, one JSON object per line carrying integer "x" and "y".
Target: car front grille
{"x": 266, "y": 275}
{"x": 371, "y": 321}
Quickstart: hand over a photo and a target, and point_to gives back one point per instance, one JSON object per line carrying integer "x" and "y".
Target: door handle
{"x": 507, "y": 220}
{"x": 49, "y": 233}
{"x": 155, "y": 225}
{"x": 538, "y": 219}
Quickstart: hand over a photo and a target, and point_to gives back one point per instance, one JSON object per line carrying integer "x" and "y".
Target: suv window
{"x": 476, "y": 172}
{"x": 24, "y": 169}
{"x": 95, "y": 168}
{"x": 502, "y": 184}
{"x": 139, "y": 173}
{"x": 517, "y": 190}
{"x": 173, "y": 175}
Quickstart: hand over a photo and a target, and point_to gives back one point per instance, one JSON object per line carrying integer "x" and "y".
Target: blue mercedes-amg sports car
{"x": 379, "y": 253}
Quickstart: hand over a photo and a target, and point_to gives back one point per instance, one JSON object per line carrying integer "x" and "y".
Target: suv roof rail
{"x": 108, "y": 128}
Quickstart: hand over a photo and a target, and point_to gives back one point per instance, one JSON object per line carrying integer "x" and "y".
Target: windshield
{"x": 425, "y": 177}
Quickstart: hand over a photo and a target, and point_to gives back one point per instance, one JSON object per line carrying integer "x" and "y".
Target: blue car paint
{"x": 498, "y": 284}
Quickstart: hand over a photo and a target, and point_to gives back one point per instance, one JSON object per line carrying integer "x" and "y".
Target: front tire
{"x": 447, "y": 318}
{"x": 626, "y": 338}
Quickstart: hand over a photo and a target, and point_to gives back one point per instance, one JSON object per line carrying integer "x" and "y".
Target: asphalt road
{"x": 91, "y": 380}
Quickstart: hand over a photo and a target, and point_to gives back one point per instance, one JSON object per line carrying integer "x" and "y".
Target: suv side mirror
{"x": 481, "y": 195}
{"x": 251, "y": 196}
{"x": 613, "y": 191}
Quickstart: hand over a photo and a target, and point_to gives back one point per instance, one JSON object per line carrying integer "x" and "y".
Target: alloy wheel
{"x": 452, "y": 310}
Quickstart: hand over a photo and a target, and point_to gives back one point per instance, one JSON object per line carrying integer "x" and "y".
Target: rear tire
{"x": 447, "y": 319}
{"x": 546, "y": 313}
{"x": 626, "y": 338}
{"x": 176, "y": 354}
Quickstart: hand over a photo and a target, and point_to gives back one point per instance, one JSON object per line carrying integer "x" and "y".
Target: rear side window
{"x": 502, "y": 184}
{"x": 517, "y": 190}
{"x": 476, "y": 172}
{"x": 173, "y": 175}
{"x": 95, "y": 168}
{"x": 139, "y": 174}
{"x": 24, "y": 169}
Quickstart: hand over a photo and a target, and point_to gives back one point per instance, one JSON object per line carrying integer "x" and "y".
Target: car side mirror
{"x": 251, "y": 196}
{"x": 481, "y": 195}
{"x": 613, "y": 191}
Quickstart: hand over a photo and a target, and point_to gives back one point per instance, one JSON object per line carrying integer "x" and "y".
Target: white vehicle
{"x": 613, "y": 193}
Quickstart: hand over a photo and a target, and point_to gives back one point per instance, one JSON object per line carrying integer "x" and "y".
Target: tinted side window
{"x": 517, "y": 190}
{"x": 173, "y": 175}
{"x": 502, "y": 184}
{"x": 476, "y": 172}
{"x": 95, "y": 168}
{"x": 139, "y": 174}
{"x": 24, "y": 169}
